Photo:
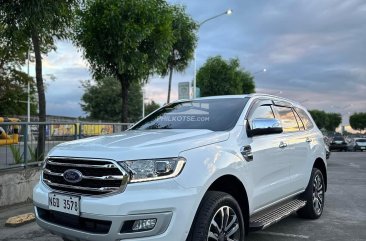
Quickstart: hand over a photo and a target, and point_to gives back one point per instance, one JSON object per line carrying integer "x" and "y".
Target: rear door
{"x": 297, "y": 145}
{"x": 308, "y": 140}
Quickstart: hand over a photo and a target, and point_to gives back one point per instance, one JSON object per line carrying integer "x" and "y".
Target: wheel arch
{"x": 233, "y": 186}
{"x": 320, "y": 164}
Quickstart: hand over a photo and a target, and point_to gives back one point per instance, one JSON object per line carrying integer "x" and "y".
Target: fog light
{"x": 144, "y": 224}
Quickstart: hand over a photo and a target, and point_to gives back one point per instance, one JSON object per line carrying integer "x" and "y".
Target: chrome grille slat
{"x": 80, "y": 165}
{"x": 102, "y": 189}
{"x": 86, "y": 177}
{"x": 98, "y": 177}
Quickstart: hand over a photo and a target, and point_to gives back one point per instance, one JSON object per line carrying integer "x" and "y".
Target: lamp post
{"x": 28, "y": 91}
{"x": 143, "y": 101}
{"x": 260, "y": 71}
{"x": 227, "y": 12}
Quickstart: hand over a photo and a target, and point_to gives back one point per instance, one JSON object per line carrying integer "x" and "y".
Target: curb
{"x": 20, "y": 220}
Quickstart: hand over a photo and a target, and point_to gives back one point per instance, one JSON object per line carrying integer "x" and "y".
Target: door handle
{"x": 308, "y": 139}
{"x": 246, "y": 152}
{"x": 282, "y": 144}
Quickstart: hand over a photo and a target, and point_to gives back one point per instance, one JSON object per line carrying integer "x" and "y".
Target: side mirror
{"x": 264, "y": 127}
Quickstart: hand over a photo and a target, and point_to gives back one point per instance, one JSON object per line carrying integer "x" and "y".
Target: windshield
{"x": 360, "y": 140}
{"x": 338, "y": 138}
{"x": 211, "y": 114}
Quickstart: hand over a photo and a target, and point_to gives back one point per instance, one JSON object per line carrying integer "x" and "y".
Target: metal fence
{"x": 19, "y": 140}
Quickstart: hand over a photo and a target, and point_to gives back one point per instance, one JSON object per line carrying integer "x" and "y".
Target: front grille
{"x": 75, "y": 222}
{"x": 98, "y": 176}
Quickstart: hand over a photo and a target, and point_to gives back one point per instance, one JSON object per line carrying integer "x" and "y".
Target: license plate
{"x": 64, "y": 203}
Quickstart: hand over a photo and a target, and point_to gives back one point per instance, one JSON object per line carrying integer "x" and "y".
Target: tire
{"x": 212, "y": 216}
{"x": 314, "y": 196}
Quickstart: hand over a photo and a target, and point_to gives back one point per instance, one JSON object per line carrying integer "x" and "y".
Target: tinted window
{"x": 215, "y": 115}
{"x": 299, "y": 122}
{"x": 305, "y": 118}
{"x": 338, "y": 138}
{"x": 288, "y": 120}
{"x": 264, "y": 111}
{"x": 360, "y": 140}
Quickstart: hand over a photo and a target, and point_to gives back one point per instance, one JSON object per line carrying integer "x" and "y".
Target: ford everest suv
{"x": 196, "y": 170}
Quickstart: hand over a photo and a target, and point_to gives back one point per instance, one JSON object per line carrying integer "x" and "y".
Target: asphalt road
{"x": 344, "y": 216}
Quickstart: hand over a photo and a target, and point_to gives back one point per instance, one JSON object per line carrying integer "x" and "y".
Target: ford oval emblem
{"x": 73, "y": 176}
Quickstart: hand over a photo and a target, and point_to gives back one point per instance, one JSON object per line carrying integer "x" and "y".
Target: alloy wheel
{"x": 318, "y": 194}
{"x": 224, "y": 225}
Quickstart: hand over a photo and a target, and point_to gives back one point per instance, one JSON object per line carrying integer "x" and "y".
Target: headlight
{"x": 153, "y": 169}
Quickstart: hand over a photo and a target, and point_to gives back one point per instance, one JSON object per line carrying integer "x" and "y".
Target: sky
{"x": 314, "y": 52}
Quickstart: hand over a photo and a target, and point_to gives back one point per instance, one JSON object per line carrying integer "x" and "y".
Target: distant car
{"x": 338, "y": 143}
{"x": 327, "y": 143}
{"x": 360, "y": 144}
{"x": 327, "y": 152}
{"x": 350, "y": 144}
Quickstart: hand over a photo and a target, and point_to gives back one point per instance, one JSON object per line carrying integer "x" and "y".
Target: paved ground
{"x": 344, "y": 216}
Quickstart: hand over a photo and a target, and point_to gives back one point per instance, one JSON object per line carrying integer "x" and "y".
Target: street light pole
{"x": 227, "y": 12}
{"x": 28, "y": 91}
{"x": 260, "y": 71}
{"x": 143, "y": 101}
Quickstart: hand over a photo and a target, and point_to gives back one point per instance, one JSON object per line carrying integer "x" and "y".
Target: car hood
{"x": 133, "y": 144}
{"x": 359, "y": 143}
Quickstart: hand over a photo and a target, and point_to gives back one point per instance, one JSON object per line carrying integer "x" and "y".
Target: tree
{"x": 320, "y": 118}
{"x": 102, "y": 100}
{"x": 220, "y": 77}
{"x": 35, "y": 24}
{"x": 358, "y": 121}
{"x": 248, "y": 82}
{"x": 128, "y": 40}
{"x": 184, "y": 42}
{"x": 12, "y": 81}
{"x": 327, "y": 121}
{"x": 150, "y": 107}
{"x": 13, "y": 97}
{"x": 333, "y": 121}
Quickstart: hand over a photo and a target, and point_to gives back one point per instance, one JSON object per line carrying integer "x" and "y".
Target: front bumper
{"x": 173, "y": 206}
{"x": 338, "y": 147}
{"x": 359, "y": 148}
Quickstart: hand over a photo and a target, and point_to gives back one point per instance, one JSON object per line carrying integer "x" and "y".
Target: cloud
{"x": 314, "y": 51}
{"x": 65, "y": 56}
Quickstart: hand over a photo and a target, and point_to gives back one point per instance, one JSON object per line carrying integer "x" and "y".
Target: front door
{"x": 270, "y": 167}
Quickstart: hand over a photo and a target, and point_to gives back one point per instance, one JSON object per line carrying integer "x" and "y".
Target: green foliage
{"x": 36, "y": 24}
{"x": 185, "y": 39}
{"x": 13, "y": 93}
{"x": 33, "y": 155}
{"x": 48, "y": 19}
{"x": 358, "y": 121}
{"x": 150, "y": 107}
{"x": 220, "y": 77}
{"x": 12, "y": 81}
{"x": 17, "y": 154}
{"x": 327, "y": 121}
{"x": 102, "y": 100}
{"x": 320, "y": 118}
{"x": 128, "y": 40}
{"x": 334, "y": 120}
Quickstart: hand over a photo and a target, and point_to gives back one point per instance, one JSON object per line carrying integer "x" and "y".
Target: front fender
{"x": 207, "y": 164}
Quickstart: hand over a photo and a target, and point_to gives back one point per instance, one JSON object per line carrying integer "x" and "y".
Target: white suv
{"x": 197, "y": 170}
